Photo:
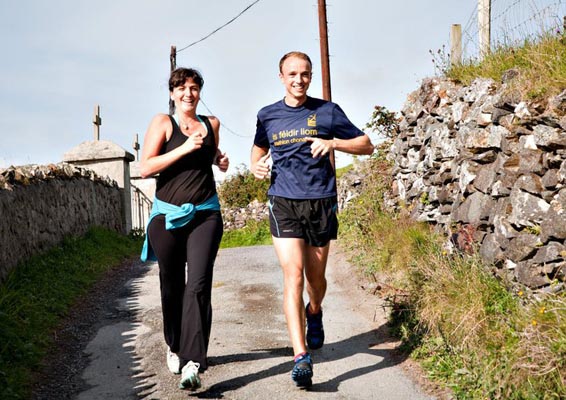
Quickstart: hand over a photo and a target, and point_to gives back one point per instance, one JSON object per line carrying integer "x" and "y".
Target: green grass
{"x": 541, "y": 63}
{"x": 254, "y": 233}
{"x": 241, "y": 188}
{"x": 471, "y": 333}
{"x": 341, "y": 171}
{"x": 37, "y": 294}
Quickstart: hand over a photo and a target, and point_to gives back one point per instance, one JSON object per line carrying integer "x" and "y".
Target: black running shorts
{"x": 315, "y": 220}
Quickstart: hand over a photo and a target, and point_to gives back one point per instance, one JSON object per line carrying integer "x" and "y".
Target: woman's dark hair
{"x": 180, "y": 75}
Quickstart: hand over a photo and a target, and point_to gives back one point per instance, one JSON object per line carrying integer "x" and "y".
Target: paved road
{"x": 249, "y": 353}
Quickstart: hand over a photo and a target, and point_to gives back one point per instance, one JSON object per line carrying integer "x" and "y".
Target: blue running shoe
{"x": 315, "y": 331}
{"x": 302, "y": 371}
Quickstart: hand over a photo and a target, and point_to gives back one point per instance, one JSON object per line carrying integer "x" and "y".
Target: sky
{"x": 61, "y": 58}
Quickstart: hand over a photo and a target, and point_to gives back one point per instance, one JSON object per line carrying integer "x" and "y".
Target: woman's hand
{"x": 193, "y": 142}
{"x": 222, "y": 161}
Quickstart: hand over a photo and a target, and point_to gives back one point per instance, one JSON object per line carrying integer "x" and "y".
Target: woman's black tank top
{"x": 190, "y": 179}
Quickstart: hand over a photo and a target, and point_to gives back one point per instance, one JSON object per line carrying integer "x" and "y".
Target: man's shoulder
{"x": 316, "y": 103}
{"x": 274, "y": 106}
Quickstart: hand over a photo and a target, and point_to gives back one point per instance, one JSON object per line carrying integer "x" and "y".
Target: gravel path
{"x": 111, "y": 346}
{"x": 60, "y": 375}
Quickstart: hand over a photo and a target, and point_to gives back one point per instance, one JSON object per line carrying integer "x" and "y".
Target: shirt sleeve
{"x": 261, "y": 139}
{"x": 342, "y": 128}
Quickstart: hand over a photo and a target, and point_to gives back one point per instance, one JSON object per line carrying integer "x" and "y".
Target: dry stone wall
{"x": 41, "y": 205}
{"x": 237, "y": 217}
{"x": 482, "y": 164}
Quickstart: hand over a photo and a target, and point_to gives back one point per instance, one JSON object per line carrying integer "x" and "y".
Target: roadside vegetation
{"x": 37, "y": 294}
{"x": 472, "y": 332}
{"x": 237, "y": 191}
{"x": 255, "y": 233}
{"x": 241, "y": 188}
{"x": 539, "y": 64}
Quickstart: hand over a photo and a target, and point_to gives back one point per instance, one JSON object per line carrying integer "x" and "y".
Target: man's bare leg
{"x": 315, "y": 271}
{"x": 291, "y": 254}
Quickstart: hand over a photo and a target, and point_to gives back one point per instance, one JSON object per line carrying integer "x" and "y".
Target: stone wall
{"x": 237, "y": 217}
{"x": 490, "y": 170}
{"x": 41, "y": 205}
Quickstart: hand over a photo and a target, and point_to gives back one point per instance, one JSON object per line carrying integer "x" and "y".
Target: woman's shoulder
{"x": 160, "y": 125}
{"x": 161, "y": 118}
{"x": 215, "y": 122}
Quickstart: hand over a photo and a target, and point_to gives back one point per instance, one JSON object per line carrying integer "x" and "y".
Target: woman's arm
{"x": 221, "y": 160}
{"x": 158, "y": 132}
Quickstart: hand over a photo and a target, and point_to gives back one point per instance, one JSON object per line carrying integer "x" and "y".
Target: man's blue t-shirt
{"x": 295, "y": 173}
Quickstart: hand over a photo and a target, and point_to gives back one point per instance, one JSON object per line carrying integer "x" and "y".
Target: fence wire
{"x": 512, "y": 22}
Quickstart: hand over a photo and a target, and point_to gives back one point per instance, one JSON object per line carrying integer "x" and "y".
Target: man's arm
{"x": 358, "y": 145}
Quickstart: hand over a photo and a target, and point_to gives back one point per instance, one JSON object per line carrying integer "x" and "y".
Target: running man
{"x": 299, "y": 133}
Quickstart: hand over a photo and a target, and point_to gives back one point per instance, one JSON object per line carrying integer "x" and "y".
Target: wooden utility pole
{"x": 173, "y": 63}
{"x": 97, "y": 121}
{"x": 325, "y": 62}
{"x": 322, "y": 27}
{"x": 484, "y": 26}
{"x": 456, "y": 45}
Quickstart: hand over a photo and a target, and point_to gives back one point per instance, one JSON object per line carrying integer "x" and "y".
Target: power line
{"x": 217, "y": 29}
{"x": 224, "y": 126}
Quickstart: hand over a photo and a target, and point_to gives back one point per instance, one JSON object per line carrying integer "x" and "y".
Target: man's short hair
{"x": 298, "y": 54}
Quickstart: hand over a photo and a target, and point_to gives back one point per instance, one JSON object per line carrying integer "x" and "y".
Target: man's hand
{"x": 320, "y": 147}
{"x": 261, "y": 167}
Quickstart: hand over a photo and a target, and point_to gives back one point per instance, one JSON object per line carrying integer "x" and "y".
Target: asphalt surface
{"x": 249, "y": 352}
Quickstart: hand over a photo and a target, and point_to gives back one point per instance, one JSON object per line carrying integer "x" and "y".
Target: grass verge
{"x": 36, "y": 295}
{"x": 470, "y": 332}
{"x": 539, "y": 62}
{"x": 254, "y": 233}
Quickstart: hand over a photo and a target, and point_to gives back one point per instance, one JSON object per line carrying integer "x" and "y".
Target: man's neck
{"x": 295, "y": 101}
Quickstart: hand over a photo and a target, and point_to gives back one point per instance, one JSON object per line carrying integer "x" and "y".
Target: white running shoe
{"x": 189, "y": 376}
{"x": 173, "y": 362}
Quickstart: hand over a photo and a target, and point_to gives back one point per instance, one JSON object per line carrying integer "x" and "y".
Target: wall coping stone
{"x": 97, "y": 150}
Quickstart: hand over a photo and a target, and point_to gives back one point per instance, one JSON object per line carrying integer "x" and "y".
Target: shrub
{"x": 242, "y": 188}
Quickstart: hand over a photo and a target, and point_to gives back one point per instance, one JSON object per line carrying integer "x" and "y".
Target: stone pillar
{"x": 106, "y": 158}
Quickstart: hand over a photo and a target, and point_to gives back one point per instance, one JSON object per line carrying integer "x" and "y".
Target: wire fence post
{"x": 484, "y": 26}
{"x": 456, "y": 45}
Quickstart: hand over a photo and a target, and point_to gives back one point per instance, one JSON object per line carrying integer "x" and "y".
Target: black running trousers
{"x": 186, "y": 292}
